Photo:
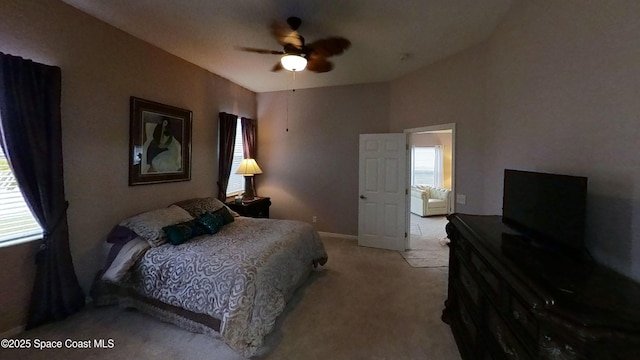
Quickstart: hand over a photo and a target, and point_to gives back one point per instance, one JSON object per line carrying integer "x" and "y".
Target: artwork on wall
{"x": 159, "y": 143}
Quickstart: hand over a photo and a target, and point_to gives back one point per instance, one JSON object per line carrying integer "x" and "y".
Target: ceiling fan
{"x": 296, "y": 54}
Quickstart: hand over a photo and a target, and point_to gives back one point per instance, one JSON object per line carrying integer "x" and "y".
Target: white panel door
{"x": 382, "y": 212}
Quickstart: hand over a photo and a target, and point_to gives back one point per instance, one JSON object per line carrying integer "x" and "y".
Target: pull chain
{"x": 293, "y": 87}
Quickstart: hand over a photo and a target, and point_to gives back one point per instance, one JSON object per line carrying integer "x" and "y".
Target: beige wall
{"x": 555, "y": 89}
{"x": 312, "y": 170}
{"x": 101, "y": 68}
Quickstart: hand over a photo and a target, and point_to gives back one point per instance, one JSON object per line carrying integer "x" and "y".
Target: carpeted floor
{"x": 365, "y": 304}
{"x": 426, "y": 240}
{"x": 426, "y": 258}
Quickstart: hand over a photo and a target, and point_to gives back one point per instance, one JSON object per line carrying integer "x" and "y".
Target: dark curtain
{"x": 31, "y": 134}
{"x": 227, "y": 129}
{"x": 248, "y": 138}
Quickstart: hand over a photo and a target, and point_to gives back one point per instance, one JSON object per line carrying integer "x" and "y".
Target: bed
{"x": 232, "y": 283}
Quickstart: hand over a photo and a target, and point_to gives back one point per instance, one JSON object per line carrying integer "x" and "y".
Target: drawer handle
{"x": 516, "y": 315}
{"x": 550, "y": 346}
{"x": 508, "y": 350}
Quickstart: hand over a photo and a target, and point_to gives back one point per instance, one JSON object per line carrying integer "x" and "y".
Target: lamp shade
{"x": 249, "y": 167}
{"x": 293, "y": 62}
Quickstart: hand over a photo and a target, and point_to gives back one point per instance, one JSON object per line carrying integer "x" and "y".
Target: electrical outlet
{"x": 314, "y": 219}
{"x": 461, "y": 199}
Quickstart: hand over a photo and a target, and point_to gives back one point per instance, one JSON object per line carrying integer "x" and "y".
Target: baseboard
{"x": 341, "y": 236}
{"x": 12, "y": 332}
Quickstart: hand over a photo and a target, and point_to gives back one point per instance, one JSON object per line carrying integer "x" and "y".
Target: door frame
{"x": 432, "y": 128}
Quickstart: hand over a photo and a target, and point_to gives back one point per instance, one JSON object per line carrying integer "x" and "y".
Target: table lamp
{"x": 248, "y": 168}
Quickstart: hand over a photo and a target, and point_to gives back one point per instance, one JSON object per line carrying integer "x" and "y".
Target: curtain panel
{"x": 31, "y": 136}
{"x": 249, "y": 138}
{"x": 438, "y": 167}
{"x": 227, "y": 134}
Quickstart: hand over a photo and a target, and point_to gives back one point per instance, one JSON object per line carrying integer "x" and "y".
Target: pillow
{"x": 128, "y": 255}
{"x": 149, "y": 225}
{"x": 198, "y": 206}
{"x": 179, "y": 233}
{"x": 226, "y": 215}
{"x": 121, "y": 235}
{"x": 212, "y": 222}
{"x": 233, "y": 213}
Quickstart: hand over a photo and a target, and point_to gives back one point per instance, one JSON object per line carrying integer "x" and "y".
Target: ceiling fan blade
{"x": 261, "y": 51}
{"x": 330, "y": 46}
{"x": 280, "y": 32}
{"x": 286, "y": 35}
{"x": 319, "y": 64}
{"x": 277, "y": 67}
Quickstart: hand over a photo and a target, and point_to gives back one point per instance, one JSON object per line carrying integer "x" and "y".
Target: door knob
{"x": 362, "y": 197}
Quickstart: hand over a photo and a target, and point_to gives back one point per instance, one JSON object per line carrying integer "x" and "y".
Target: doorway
{"x": 430, "y": 169}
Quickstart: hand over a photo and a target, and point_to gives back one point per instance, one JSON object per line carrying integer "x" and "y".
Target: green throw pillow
{"x": 226, "y": 215}
{"x": 212, "y": 222}
{"x": 179, "y": 233}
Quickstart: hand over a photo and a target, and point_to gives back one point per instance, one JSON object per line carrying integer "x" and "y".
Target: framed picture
{"x": 159, "y": 143}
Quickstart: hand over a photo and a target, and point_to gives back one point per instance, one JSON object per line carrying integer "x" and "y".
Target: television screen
{"x": 548, "y": 208}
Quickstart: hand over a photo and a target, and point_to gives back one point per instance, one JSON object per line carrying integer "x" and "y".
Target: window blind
{"x": 236, "y": 182}
{"x": 16, "y": 220}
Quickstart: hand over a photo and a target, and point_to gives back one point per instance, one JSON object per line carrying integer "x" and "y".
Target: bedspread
{"x": 242, "y": 275}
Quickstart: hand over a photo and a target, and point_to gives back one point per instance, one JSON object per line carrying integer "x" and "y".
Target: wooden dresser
{"x": 511, "y": 299}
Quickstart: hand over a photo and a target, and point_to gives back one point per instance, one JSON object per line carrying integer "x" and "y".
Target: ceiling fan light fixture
{"x": 293, "y": 62}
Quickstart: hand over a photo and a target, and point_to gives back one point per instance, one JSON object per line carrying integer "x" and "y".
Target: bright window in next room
{"x": 427, "y": 165}
{"x": 17, "y": 223}
{"x": 236, "y": 182}
{"x": 423, "y": 165}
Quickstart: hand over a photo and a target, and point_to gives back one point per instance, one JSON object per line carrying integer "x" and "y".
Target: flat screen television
{"x": 548, "y": 209}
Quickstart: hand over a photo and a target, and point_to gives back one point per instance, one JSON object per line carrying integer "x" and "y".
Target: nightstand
{"x": 257, "y": 208}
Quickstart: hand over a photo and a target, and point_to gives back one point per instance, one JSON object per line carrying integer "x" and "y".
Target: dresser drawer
{"x": 485, "y": 273}
{"x": 553, "y": 346}
{"x": 468, "y": 323}
{"x": 463, "y": 246}
{"x": 469, "y": 284}
{"x": 504, "y": 339}
{"x": 522, "y": 318}
{"x": 458, "y": 242}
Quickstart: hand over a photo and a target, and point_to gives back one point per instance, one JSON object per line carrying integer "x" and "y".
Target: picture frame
{"x": 159, "y": 143}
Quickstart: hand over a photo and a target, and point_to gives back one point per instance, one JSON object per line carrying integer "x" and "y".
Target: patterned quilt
{"x": 241, "y": 275}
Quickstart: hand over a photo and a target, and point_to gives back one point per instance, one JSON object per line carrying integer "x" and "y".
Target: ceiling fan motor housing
{"x": 294, "y": 22}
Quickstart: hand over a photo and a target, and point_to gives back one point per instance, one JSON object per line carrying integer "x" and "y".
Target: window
{"x": 427, "y": 165}
{"x": 423, "y": 161}
{"x": 17, "y": 223}
{"x": 236, "y": 182}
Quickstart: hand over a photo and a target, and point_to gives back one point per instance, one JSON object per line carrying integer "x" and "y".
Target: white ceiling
{"x": 389, "y": 38}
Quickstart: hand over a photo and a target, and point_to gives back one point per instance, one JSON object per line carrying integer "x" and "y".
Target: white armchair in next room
{"x": 428, "y": 200}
